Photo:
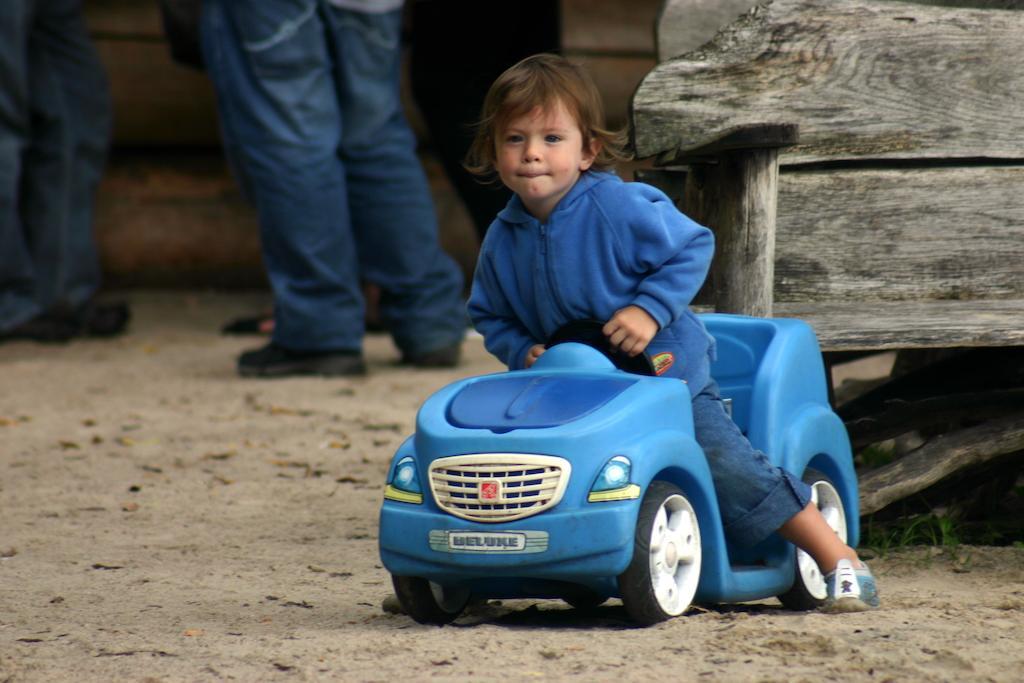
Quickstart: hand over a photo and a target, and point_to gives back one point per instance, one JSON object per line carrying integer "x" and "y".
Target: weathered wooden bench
{"x": 861, "y": 163}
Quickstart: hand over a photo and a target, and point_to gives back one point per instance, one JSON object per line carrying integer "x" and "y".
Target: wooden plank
{"x": 123, "y": 19}
{"x": 174, "y": 220}
{"x": 899, "y": 416}
{"x": 178, "y": 219}
{"x": 973, "y": 4}
{"x": 157, "y": 102}
{"x": 860, "y": 326}
{"x": 609, "y": 26}
{"x": 901, "y": 234}
{"x": 863, "y": 80}
{"x": 685, "y": 25}
{"x": 938, "y": 459}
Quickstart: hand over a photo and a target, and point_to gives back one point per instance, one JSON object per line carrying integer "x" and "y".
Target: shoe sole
{"x": 430, "y": 365}
{"x": 447, "y": 358}
{"x": 847, "y": 605}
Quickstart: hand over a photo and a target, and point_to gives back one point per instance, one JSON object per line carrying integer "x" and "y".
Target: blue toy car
{"x": 580, "y": 481}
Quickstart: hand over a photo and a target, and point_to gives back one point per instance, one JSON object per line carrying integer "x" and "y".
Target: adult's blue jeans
{"x": 754, "y": 496}
{"x": 313, "y": 125}
{"x": 54, "y": 132}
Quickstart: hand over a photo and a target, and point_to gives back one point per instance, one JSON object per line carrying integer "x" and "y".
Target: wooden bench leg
{"x": 737, "y": 197}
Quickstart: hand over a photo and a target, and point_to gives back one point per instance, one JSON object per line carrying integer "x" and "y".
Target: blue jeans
{"x": 755, "y": 497}
{"x": 314, "y": 128}
{"x": 54, "y": 132}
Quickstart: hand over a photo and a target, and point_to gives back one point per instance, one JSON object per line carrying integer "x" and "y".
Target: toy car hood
{"x": 568, "y": 382}
{"x": 532, "y": 401}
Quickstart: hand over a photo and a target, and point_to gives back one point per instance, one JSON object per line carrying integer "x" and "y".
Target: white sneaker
{"x": 850, "y": 589}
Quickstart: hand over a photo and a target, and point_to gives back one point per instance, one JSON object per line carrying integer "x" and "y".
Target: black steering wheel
{"x": 588, "y": 331}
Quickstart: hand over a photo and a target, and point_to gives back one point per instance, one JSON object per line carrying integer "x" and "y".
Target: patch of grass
{"x": 875, "y": 456}
{"x": 930, "y": 529}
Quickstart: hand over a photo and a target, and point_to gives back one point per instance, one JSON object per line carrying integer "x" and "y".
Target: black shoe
{"x": 256, "y": 324}
{"x": 46, "y": 328}
{"x": 273, "y": 360}
{"x": 63, "y": 323}
{"x": 102, "y": 320}
{"x": 444, "y": 357}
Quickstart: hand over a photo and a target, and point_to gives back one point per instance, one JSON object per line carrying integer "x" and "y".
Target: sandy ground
{"x": 163, "y": 520}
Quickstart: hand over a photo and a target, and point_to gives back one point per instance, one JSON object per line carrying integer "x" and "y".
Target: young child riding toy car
{"x": 576, "y": 242}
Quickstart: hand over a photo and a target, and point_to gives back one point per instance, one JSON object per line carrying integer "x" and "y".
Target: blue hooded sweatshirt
{"x": 606, "y": 245}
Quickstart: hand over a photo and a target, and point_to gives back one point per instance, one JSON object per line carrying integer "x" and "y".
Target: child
{"x": 576, "y": 242}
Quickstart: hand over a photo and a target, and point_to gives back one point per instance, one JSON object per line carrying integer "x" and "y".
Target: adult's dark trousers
{"x": 309, "y": 104}
{"x": 55, "y": 120}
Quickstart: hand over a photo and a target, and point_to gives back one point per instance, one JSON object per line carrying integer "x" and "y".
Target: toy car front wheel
{"x": 662, "y": 578}
{"x": 428, "y": 602}
{"x": 808, "y": 591}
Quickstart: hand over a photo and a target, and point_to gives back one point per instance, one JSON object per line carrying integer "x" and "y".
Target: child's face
{"x": 540, "y": 156}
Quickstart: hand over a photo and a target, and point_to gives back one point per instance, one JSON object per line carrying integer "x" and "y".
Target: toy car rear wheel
{"x": 809, "y": 591}
{"x": 662, "y": 578}
{"x": 428, "y": 602}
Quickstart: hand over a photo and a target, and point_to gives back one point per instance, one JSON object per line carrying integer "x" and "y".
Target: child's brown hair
{"x": 541, "y": 81}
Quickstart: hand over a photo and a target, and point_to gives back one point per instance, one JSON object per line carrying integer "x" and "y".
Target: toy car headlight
{"x": 405, "y": 482}
{"x": 613, "y": 482}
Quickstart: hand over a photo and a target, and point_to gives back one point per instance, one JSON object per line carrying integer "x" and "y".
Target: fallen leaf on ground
{"x": 383, "y": 427}
{"x": 219, "y": 456}
{"x": 282, "y": 410}
{"x": 289, "y": 463}
{"x": 193, "y": 632}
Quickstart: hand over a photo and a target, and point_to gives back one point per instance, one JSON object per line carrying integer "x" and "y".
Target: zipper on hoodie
{"x": 548, "y": 273}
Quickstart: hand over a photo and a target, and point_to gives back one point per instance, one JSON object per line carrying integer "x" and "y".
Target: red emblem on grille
{"x": 489, "y": 490}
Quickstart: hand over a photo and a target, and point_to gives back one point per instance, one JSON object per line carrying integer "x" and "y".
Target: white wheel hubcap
{"x": 675, "y": 555}
{"x": 827, "y": 500}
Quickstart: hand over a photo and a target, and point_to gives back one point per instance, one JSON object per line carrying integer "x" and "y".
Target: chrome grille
{"x": 498, "y": 487}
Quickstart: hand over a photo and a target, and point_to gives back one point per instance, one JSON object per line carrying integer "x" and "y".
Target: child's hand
{"x": 533, "y": 354}
{"x": 630, "y": 330}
